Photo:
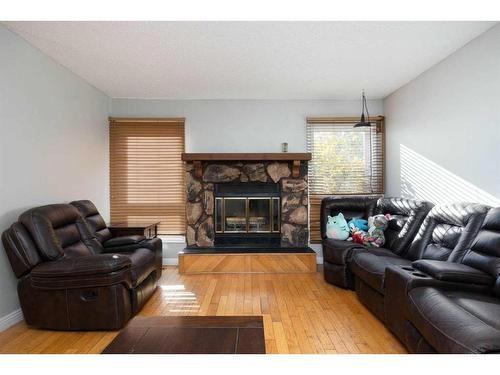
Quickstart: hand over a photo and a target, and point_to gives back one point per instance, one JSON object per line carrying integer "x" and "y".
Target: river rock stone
{"x": 291, "y": 201}
{"x": 298, "y": 216}
{"x": 243, "y": 177}
{"x": 205, "y": 235}
{"x": 220, "y": 173}
{"x": 293, "y": 235}
{"x": 190, "y": 236}
{"x": 193, "y": 187}
{"x": 208, "y": 202}
{"x": 193, "y": 212}
{"x": 290, "y": 185}
{"x": 255, "y": 172}
{"x": 277, "y": 171}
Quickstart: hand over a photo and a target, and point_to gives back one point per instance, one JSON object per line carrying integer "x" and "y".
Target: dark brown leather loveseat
{"x": 73, "y": 275}
{"x": 441, "y": 294}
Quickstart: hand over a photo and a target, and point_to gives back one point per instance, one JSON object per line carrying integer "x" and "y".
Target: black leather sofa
{"x": 441, "y": 294}
{"x": 407, "y": 215}
{"x": 73, "y": 275}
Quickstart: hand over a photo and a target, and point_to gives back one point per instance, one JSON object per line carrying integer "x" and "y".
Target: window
{"x": 345, "y": 161}
{"x": 147, "y": 173}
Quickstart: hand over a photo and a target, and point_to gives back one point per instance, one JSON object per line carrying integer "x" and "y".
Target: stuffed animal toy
{"x": 361, "y": 224}
{"x": 337, "y": 227}
{"x": 375, "y": 235}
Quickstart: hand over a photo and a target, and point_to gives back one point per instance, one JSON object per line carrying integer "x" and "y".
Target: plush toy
{"x": 375, "y": 235}
{"x": 361, "y": 224}
{"x": 337, "y": 227}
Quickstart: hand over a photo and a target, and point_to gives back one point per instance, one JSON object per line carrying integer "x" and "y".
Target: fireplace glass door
{"x": 247, "y": 215}
{"x": 259, "y": 215}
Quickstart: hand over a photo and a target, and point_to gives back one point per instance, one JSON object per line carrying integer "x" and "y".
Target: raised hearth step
{"x": 247, "y": 260}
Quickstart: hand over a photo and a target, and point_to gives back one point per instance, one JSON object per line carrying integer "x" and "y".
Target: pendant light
{"x": 363, "y": 120}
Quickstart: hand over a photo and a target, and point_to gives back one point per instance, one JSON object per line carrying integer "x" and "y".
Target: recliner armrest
{"x": 83, "y": 266}
{"x": 123, "y": 241}
{"x": 453, "y": 272}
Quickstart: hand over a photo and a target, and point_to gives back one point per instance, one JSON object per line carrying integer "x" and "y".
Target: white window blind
{"x": 345, "y": 160}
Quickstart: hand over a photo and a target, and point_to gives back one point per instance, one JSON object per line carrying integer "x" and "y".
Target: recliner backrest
{"x": 95, "y": 221}
{"x": 484, "y": 253}
{"x": 407, "y": 216}
{"x": 350, "y": 206}
{"x": 58, "y": 230}
{"x": 447, "y": 228}
{"x": 21, "y": 250}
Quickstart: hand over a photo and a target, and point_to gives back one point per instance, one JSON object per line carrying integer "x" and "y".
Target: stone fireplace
{"x": 247, "y": 200}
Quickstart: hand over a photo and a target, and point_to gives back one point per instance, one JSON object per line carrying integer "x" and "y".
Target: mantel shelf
{"x": 272, "y": 156}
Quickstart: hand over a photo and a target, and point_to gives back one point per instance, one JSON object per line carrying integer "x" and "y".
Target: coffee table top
{"x": 190, "y": 335}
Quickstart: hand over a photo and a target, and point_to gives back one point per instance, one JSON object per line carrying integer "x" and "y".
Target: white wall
{"x": 242, "y": 125}
{"x": 443, "y": 128}
{"x": 239, "y": 126}
{"x": 53, "y": 143}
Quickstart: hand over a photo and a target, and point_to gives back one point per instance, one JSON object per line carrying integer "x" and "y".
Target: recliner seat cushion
{"x": 456, "y": 322}
{"x": 371, "y": 267}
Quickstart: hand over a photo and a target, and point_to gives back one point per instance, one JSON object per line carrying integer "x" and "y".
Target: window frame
{"x": 315, "y": 199}
{"x": 177, "y": 121}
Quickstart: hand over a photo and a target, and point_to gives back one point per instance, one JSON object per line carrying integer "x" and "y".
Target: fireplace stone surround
{"x": 289, "y": 171}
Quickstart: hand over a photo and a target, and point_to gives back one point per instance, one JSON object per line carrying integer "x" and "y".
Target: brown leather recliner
{"x": 68, "y": 280}
{"x": 130, "y": 243}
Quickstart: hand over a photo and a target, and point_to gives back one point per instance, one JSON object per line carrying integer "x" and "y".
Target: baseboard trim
{"x": 170, "y": 261}
{"x": 10, "y": 319}
{"x": 175, "y": 261}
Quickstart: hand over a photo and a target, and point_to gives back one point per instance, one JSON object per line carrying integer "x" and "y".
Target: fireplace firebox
{"x": 247, "y": 214}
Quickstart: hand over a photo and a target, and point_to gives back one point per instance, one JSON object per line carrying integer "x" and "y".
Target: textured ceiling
{"x": 248, "y": 60}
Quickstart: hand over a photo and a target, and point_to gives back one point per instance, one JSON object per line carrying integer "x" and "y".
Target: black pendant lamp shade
{"x": 362, "y": 121}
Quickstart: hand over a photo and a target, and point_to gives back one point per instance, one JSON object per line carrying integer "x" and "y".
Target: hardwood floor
{"x": 302, "y": 314}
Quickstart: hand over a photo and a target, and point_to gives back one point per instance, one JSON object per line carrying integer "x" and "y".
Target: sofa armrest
{"x": 123, "y": 241}
{"x": 83, "y": 266}
{"x": 453, "y": 272}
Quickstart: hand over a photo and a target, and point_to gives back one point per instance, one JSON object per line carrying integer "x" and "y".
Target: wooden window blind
{"x": 147, "y": 173}
{"x": 345, "y": 161}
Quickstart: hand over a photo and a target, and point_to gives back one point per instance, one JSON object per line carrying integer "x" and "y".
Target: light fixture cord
{"x": 365, "y": 106}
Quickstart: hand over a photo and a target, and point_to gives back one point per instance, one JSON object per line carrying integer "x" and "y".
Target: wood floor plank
{"x": 301, "y": 314}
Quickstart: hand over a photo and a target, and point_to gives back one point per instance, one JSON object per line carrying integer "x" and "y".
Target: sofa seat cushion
{"x": 143, "y": 263}
{"x": 371, "y": 267}
{"x": 456, "y": 321}
{"x": 338, "y": 251}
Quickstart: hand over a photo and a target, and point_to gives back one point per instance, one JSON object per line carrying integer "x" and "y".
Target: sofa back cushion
{"x": 407, "y": 216}
{"x": 94, "y": 220}
{"x": 484, "y": 253}
{"x": 446, "y": 229}
{"x": 20, "y": 248}
{"x": 350, "y": 206}
{"x": 59, "y": 230}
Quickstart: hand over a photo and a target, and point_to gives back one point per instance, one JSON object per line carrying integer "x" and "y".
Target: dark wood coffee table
{"x": 190, "y": 335}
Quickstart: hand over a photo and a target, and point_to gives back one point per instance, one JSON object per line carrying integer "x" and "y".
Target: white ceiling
{"x": 248, "y": 60}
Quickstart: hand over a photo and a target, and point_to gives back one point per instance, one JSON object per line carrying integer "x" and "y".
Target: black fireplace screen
{"x": 247, "y": 214}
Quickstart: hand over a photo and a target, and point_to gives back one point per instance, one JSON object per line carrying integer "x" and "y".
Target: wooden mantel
{"x": 279, "y": 156}
{"x": 295, "y": 157}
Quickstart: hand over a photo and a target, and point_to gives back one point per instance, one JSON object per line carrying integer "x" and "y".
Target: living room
{"x": 250, "y": 187}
